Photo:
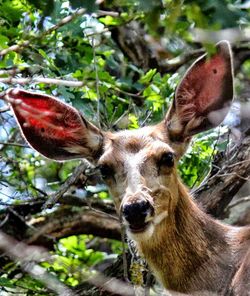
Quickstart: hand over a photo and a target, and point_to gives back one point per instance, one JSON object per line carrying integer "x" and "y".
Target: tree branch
{"x": 74, "y": 216}
{"x": 147, "y": 53}
{"x": 14, "y": 144}
{"x": 237, "y": 202}
{"x": 27, "y": 256}
{"x": 66, "y": 221}
{"x": 79, "y": 170}
{"x": 52, "y": 81}
{"x": 230, "y": 171}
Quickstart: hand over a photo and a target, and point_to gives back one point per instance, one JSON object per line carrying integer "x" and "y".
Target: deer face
{"x": 138, "y": 166}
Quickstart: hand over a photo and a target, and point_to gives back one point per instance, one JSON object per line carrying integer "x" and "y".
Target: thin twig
{"x": 237, "y": 202}
{"x": 70, "y": 181}
{"x": 109, "y": 13}
{"x": 148, "y": 114}
{"x": 175, "y": 63}
{"x": 239, "y": 162}
{"x": 2, "y": 94}
{"x": 104, "y": 214}
{"x": 148, "y": 282}
{"x": 124, "y": 257}
{"x": 4, "y": 109}
{"x": 112, "y": 285}
{"x": 59, "y": 81}
{"x": 53, "y": 81}
{"x": 234, "y": 174}
{"x": 204, "y": 181}
{"x": 138, "y": 95}
{"x": 6, "y": 218}
{"x": 97, "y": 85}
{"x": 14, "y": 144}
{"x": 13, "y": 71}
{"x": 124, "y": 114}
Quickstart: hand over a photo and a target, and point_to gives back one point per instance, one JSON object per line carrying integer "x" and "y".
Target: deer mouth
{"x": 137, "y": 228}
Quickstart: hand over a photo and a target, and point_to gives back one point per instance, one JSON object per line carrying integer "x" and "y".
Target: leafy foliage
{"x": 74, "y": 260}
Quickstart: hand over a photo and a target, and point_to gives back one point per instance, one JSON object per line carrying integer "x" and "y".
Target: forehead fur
{"x": 144, "y": 135}
{"x": 128, "y": 142}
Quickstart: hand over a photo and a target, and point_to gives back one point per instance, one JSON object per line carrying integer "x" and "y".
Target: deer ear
{"x": 203, "y": 97}
{"x": 53, "y": 128}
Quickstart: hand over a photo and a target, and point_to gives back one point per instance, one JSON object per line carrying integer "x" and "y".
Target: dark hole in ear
{"x": 215, "y": 71}
{"x": 42, "y": 130}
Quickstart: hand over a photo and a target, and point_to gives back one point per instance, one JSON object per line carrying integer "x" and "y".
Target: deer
{"x": 188, "y": 251}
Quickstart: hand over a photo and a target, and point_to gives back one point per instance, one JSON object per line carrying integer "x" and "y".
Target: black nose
{"x": 136, "y": 213}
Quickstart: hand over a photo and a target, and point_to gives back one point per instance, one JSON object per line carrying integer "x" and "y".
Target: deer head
{"x": 139, "y": 166}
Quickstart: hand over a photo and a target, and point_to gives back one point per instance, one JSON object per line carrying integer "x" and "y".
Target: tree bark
{"x": 74, "y": 216}
{"x": 231, "y": 169}
{"x": 66, "y": 221}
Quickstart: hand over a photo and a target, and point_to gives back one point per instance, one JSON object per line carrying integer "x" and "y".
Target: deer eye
{"x": 167, "y": 159}
{"x": 106, "y": 171}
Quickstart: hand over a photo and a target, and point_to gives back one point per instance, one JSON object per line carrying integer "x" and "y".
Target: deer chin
{"x": 146, "y": 231}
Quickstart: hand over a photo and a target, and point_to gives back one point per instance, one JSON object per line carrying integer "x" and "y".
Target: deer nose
{"x": 136, "y": 213}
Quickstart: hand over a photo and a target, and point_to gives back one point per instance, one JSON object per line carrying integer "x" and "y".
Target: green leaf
{"x": 3, "y": 41}
{"x": 145, "y": 79}
{"x": 5, "y": 282}
{"x": 133, "y": 122}
{"x": 110, "y": 21}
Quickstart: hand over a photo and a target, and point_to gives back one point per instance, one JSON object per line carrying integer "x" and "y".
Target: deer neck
{"x": 186, "y": 247}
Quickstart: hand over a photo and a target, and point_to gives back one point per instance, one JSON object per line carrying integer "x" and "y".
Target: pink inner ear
{"x": 211, "y": 87}
{"x": 46, "y": 115}
{"x": 202, "y": 86}
{"x": 53, "y": 128}
{"x": 204, "y": 95}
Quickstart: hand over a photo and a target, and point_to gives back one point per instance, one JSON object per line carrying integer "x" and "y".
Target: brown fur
{"x": 193, "y": 254}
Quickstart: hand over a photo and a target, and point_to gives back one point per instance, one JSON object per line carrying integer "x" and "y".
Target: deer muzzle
{"x": 137, "y": 213}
